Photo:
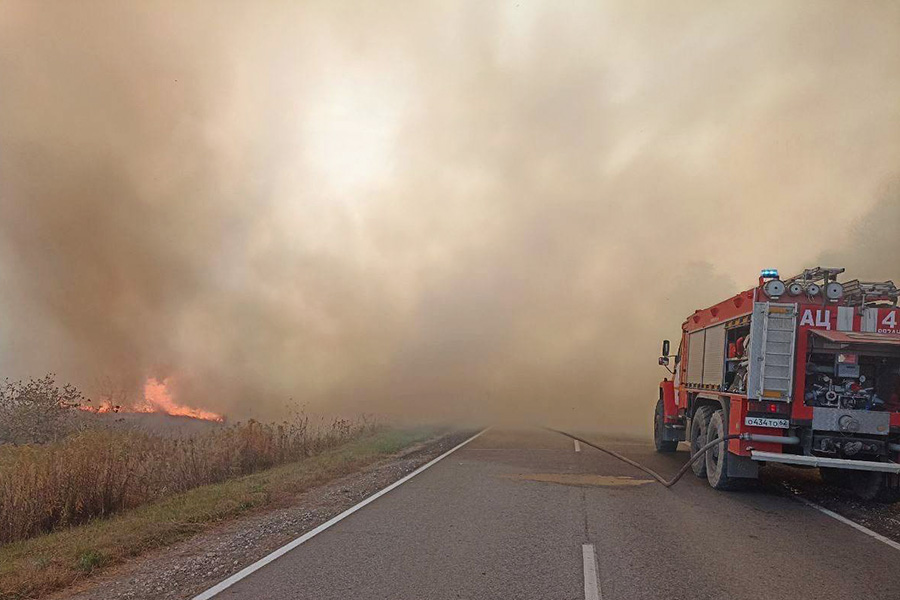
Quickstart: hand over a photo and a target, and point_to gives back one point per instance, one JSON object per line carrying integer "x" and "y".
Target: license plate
{"x": 764, "y": 422}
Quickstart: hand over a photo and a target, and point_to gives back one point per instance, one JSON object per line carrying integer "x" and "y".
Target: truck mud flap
{"x": 742, "y": 466}
{"x": 673, "y": 434}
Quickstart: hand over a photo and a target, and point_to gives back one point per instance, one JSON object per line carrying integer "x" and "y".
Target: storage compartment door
{"x": 696, "y": 343}
{"x": 714, "y": 357}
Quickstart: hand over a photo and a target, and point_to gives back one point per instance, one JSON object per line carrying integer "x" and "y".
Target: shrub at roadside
{"x": 34, "y": 411}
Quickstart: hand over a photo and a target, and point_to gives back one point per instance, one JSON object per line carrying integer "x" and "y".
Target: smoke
{"x": 872, "y": 242}
{"x": 460, "y": 210}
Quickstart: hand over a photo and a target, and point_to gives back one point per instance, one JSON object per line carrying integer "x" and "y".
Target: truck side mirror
{"x": 664, "y": 361}
{"x": 665, "y": 348}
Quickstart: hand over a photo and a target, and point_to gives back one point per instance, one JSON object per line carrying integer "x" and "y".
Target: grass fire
{"x": 157, "y": 398}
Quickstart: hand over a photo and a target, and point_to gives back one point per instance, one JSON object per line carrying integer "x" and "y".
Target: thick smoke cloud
{"x": 462, "y": 210}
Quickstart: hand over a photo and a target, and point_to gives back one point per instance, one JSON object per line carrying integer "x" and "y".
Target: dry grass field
{"x": 96, "y": 473}
{"x": 33, "y": 567}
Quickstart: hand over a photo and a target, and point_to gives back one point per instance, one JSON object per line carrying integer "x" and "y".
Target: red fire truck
{"x": 807, "y": 364}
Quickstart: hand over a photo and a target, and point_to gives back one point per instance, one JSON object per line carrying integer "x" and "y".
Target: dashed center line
{"x": 577, "y": 446}
{"x": 591, "y": 585}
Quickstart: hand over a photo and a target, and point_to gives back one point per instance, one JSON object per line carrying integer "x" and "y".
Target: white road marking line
{"x": 577, "y": 446}
{"x": 591, "y": 585}
{"x": 227, "y": 583}
{"x": 852, "y": 524}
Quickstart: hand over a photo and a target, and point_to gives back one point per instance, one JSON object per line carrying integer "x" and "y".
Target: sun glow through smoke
{"x": 349, "y": 131}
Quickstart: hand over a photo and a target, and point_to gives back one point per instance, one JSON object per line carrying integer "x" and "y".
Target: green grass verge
{"x": 39, "y": 565}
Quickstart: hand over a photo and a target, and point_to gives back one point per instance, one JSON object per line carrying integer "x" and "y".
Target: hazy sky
{"x": 465, "y": 209}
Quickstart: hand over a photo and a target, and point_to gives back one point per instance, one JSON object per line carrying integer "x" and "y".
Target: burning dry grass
{"x": 96, "y": 473}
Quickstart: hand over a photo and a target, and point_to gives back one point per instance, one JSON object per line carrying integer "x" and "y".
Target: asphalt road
{"x": 510, "y": 515}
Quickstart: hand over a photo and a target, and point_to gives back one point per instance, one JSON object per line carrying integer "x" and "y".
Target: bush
{"x": 95, "y": 473}
{"x": 34, "y": 411}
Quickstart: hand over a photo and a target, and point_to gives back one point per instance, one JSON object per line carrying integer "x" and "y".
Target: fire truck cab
{"x": 807, "y": 363}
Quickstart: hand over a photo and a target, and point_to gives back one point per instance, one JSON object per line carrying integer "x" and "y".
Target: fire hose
{"x": 697, "y": 455}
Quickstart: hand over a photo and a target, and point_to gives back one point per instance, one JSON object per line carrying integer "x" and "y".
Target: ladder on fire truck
{"x": 772, "y": 345}
{"x": 815, "y": 275}
{"x": 863, "y": 293}
{"x": 855, "y": 292}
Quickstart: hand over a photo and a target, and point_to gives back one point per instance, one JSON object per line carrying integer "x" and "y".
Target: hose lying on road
{"x": 666, "y": 482}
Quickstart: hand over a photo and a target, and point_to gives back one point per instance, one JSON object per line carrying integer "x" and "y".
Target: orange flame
{"x": 104, "y": 407}
{"x": 158, "y": 398}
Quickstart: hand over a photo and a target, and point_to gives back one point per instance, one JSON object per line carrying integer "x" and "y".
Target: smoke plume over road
{"x": 449, "y": 209}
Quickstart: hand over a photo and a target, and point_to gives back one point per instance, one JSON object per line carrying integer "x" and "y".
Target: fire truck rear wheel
{"x": 890, "y": 489}
{"x": 699, "y": 425}
{"x": 662, "y": 444}
{"x": 717, "y": 456}
{"x": 872, "y": 485}
{"x": 835, "y": 477}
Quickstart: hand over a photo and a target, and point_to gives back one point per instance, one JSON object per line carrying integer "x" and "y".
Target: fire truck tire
{"x": 717, "y": 457}
{"x": 662, "y": 444}
{"x": 699, "y": 425}
{"x": 890, "y": 489}
{"x": 880, "y": 487}
{"x": 835, "y": 477}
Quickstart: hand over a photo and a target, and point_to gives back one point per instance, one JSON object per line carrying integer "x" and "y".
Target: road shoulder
{"x": 188, "y": 567}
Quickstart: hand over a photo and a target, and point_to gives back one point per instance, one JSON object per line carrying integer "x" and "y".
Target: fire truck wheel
{"x": 835, "y": 477}
{"x": 890, "y": 489}
{"x": 662, "y": 444}
{"x": 699, "y": 425}
{"x": 872, "y": 485}
{"x": 717, "y": 456}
